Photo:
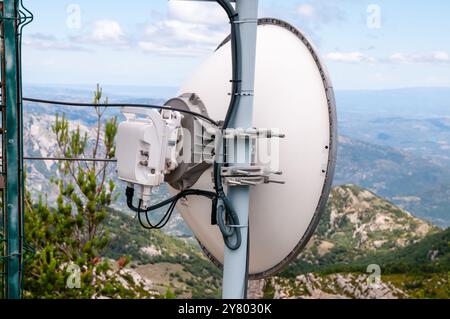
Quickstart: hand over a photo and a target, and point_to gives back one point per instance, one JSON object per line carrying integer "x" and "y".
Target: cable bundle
{"x": 172, "y": 202}
{"x": 225, "y": 211}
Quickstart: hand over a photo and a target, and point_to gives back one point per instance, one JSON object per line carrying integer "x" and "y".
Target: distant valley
{"x": 410, "y": 128}
{"x": 415, "y": 184}
{"x": 367, "y": 220}
{"x": 393, "y": 143}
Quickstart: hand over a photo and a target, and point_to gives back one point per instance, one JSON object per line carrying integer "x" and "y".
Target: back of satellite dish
{"x": 291, "y": 158}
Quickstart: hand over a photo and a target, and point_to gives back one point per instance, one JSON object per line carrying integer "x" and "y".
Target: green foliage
{"x": 170, "y": 294}
{"x": 430, "y": 255}
{"x": 128, "y": 237}
{"x": 71, "y": 231}
{"x": 422, "y": 286}
{"x": 268, "y": 290}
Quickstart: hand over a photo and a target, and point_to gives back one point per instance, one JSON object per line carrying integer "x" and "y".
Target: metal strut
{"x": 13, "y": 18}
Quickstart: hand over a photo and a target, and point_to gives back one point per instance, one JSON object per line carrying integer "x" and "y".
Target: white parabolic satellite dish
{"x": 293, "y": 94}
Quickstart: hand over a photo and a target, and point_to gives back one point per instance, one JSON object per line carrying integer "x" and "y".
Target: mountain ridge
{"x": 160, "y": 257}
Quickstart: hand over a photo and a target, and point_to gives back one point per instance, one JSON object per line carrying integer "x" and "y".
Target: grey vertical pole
{"x": 235, "y": 262}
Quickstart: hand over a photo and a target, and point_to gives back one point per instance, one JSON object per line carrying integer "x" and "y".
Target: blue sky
{"x": 366, "y": 44}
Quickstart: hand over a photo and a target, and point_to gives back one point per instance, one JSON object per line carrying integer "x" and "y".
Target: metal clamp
{"x": 252, "y": 175}
{"x": 252, "y": 133}
{"x": 245, "y": 21}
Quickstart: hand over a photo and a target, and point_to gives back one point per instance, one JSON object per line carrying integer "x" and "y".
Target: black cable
{"x": 163, "y": 221}
{"x": 172, "y": 201}
{"x": 228, "y": 222}
{"x": 236, "y": 51}
{"x": 157, "y": 107}
{"x": 227, "y": 213}
{"x": 69, "y": 159}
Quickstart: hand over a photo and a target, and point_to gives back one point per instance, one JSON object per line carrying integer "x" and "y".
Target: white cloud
{"x": 306, "y": 10}
{"x": 437, "y": 57}
{"x": 196, "y": 12}
{"x": 436, "y": 80}
{"x": 314, "y": 15}
{"x": 184, "y": 33}
{"x": 160, "y": 49}
{"x": 103, "y": 33}
{"x": 190, "y": 29}
{"x": 320, "y": 12}
{"x": 180, "y": 38}
{"x": 43, "y": 41}
{"x": 107, "y": 32}
{"x": 350, "y": 57}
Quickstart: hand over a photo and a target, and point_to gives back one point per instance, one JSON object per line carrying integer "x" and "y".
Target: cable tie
{"x": 245, "y": 93}
{"x": 245, "y": 21}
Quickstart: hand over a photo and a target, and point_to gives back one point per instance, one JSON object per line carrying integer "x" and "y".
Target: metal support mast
{"x": 235, "y": 266}
{"x": 236, "y": 262}
{"x": 12, "y": 167}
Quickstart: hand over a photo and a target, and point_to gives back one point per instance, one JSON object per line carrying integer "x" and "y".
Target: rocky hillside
{"x": 358, "y": 229}
{"x": 361, "y": 229}
{"x": 419, "y": 270}
{"x": 352, "y": 286}
{"x": 357, "y": 222}
{"x": 315, "y": 286}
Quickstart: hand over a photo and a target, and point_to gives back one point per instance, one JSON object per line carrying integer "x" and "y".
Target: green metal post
{"x": 11, "y": 98}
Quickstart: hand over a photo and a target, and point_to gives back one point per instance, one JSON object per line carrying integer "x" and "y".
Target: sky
{"x": 372, "y": 44}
